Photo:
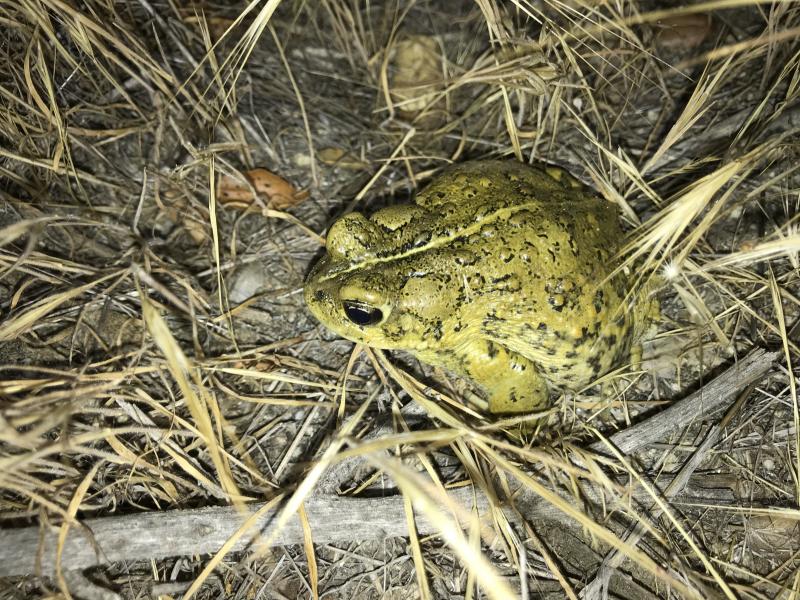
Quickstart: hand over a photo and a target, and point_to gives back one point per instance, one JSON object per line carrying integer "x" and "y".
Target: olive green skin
{"x": 499, "y": 272}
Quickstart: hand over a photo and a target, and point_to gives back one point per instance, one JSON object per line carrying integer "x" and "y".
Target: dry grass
{"x": 155, "y": 352}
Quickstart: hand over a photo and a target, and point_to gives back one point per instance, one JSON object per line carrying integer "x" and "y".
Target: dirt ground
{"x": 168, "y": 171}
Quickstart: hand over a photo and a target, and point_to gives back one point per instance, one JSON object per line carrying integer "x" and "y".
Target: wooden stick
{"x": 711, "y": 398}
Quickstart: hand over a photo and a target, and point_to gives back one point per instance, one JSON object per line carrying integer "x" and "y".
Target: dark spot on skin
{"x": 501, "y": 279}
{"x": 491, "y": 350}
{"x": 571, "y": 354}
{"x": 552, "y": 254}
{"x": 542, "y": 327}
{"x": 395, "y": 333}
{"x": 554, "y": 304}
{"x": 319, "y": 295}
{"x": 476, "y": 282}
{"x": 611, "y": 340}
{"x": 598, "y": 301}
{"x": 513, "y": 396}
{"x": 597, "y": 368}
{"x": 573, "y": 245}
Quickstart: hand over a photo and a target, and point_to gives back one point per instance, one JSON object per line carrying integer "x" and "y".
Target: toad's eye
{"x": 362, "y": 314}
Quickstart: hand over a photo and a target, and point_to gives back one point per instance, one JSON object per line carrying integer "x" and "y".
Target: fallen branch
{"x": 709, "y": 399}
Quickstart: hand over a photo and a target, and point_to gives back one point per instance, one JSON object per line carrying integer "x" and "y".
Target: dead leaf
{"x": 341, "y": 158}
{"x": 200, "y": 15}
{"x": 683, "y": 31}
{"x": 278, "y": 193}
{"x": 417, "y": 81}
{"x": 195, "y": 229}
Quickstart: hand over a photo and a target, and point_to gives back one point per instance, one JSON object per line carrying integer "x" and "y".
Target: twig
{"x": 712, "y": 397}
{"x": 598, "y": 586}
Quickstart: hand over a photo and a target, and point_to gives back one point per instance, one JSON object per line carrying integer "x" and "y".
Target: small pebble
{"x": 246, "y": 282}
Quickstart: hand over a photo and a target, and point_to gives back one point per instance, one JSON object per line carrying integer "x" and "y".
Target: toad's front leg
{"x": 512, "y": 383}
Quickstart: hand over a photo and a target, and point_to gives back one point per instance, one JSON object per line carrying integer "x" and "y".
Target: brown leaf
{"x": 683, "y": 31}
{"x": 195, "y": 229}
{"x": 417, "y": 80}
{"x": 275, "y": 190}
{"x": 341, "y": 158}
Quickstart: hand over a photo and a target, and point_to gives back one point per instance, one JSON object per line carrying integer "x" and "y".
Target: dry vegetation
{"x": 155, "y": 353}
